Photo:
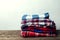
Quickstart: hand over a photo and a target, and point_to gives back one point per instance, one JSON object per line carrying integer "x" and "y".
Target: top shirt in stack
{"x": 37, "y": 25}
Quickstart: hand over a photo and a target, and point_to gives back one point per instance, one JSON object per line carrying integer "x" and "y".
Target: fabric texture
{"x": 35, "y": 16}
{"x": 34, "y": 34}
{"x": 37, "y": 25}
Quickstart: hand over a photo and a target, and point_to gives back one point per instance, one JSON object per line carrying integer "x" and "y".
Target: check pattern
{"x": 37, "y": 26}
{"x": 35, "y": 16}
{"x": 37, "y": 22}
{"x": 34, "y": 34}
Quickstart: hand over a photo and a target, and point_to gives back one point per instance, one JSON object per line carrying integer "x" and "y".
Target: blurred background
{"x": 11, "y": 11}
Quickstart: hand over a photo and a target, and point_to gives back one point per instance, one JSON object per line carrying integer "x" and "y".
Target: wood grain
{"x": 15, "y": 35}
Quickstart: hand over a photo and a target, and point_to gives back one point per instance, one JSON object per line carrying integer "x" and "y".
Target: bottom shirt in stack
{"x": 34, "y": 34}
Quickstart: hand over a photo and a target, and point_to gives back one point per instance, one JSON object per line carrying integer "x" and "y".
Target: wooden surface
{"x": 14, "y": 35}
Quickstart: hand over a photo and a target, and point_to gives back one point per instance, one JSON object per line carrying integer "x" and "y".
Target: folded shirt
{"x": 34, "y": 34}
{"x": 38, "y": 26}
{"x": 38, "y": 29}
{"x": 35, "y": 16}
{"x": 45, "y": 22}
{"x": 33, "y": 26}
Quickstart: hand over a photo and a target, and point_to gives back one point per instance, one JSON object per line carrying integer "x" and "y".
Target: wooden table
{"x": 15, "y": 35}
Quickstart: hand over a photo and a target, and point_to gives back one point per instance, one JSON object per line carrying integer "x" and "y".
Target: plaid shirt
{"x": 37, "y": 22}
{"x": 34, "y": 34}
{"x": 38, "y": 29}
{"x": 35, "y": 16}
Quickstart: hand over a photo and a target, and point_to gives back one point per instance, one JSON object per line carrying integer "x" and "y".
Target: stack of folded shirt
{"x": 37, "y": 25}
